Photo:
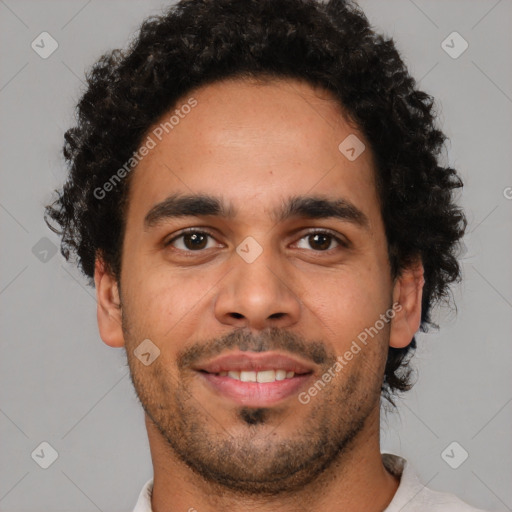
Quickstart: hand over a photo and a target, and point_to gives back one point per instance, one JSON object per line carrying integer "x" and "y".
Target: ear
{"x": 407, "y": 295}
{"x": 109, "y": 305}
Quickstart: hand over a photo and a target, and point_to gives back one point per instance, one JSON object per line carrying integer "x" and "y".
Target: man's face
{"x": 211, "y": 293}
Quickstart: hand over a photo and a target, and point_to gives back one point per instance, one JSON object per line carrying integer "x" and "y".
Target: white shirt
{"x": 411, "y": 495}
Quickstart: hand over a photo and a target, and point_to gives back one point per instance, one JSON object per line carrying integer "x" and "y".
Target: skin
{"x": 255, "y": 145}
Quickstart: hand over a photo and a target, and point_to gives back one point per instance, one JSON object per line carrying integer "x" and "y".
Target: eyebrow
{"x": 308, "y": 207}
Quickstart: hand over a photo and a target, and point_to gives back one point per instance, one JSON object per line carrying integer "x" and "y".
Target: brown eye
{"x": 191, "y": 241}
{"x": 321, "y": 241}
{"x": 195, "y": 240}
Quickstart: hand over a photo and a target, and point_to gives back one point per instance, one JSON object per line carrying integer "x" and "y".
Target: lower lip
{"x": 256, "y": 394}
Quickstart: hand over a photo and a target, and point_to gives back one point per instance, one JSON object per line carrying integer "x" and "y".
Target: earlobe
{"x": 407, "y": 295}
{"x": 108, "y": 305}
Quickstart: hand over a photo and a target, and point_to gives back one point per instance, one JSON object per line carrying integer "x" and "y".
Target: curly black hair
{"x": 328, "y": 44}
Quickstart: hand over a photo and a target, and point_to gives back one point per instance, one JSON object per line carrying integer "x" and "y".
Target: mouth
{"x": 255, "y": 379}
{"x": 262, "y": 376}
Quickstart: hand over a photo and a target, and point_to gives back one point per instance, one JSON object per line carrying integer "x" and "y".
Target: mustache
{"x": 269, "y": 339}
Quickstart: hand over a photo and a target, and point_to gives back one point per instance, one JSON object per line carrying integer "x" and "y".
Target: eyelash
{"x": 188, "y": 231}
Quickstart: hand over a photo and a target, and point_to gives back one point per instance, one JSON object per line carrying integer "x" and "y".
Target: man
{"x": 255, "y": 192}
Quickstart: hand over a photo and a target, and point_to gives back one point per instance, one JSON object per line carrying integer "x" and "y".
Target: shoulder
{"x": 435, "y": 501}
{"x": 413, "y": 496}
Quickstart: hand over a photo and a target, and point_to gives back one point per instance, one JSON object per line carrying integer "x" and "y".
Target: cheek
{"x": 164, "y": 304}
{"x": 348, "y": 302}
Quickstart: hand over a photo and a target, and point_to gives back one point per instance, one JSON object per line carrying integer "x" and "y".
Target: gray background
{"x": 61, "y": 384}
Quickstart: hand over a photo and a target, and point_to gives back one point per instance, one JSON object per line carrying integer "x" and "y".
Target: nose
{"x": 257, "y": 295}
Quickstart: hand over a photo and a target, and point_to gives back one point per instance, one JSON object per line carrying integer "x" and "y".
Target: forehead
{"x": 254, "y": 144}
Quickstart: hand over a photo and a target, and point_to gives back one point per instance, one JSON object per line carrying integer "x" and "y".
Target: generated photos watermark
{"x": 355, "y": 348}
{"x": 149, "y": 144}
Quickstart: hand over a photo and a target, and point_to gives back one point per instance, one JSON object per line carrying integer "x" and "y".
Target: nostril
{"x": 237, "y": 315}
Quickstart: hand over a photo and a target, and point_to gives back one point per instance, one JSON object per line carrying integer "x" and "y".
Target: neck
{"x": 356, "y": 480}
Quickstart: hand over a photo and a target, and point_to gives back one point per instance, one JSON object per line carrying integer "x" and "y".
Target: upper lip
{"x": 254, "y": 361}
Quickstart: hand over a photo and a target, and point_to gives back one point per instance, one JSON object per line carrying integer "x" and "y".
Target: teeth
{"x": 266, "y": 376}
{"x": 261, "y": 376}
{"x": 248, "y": 376}
{"x": 280, "y": 374}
